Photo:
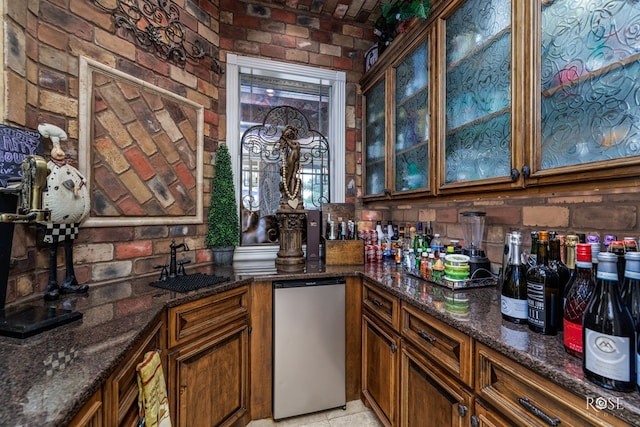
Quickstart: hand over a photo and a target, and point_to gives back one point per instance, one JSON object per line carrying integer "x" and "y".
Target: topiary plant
{"x": 223, "y": 222}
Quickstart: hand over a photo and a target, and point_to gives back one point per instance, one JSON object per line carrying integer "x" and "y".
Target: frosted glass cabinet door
{"x": 478, "y": 91}
{"x": 590, "y": 81}
{"x": 375, "y": 139}
{"x": 412, "y": 120}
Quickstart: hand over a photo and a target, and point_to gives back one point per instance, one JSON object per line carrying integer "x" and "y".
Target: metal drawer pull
{"x": 394, "y": 348}
{"x": 376, "y": 303}
{"x": 537, "y": 412}
{"x": 425, "y": 336}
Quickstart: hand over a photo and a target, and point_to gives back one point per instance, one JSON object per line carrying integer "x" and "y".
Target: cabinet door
{"x": 412, "y": 116}
{"x": 428, "y": 393}
{"x": 588, "y": 85}
{"x": 375, "y": 139}
{"x": 121, "y": 388}
{"x": 209, "y": 378}
{"x": 479, "y": 130}
{"x": 91, "y": 413}
{"x": 380, "y": 358}
{"x": 485, "y": 417}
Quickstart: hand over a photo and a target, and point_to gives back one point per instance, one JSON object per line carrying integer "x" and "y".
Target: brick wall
{"x": 600, "y": 211}
{"x": 45, "y": 39}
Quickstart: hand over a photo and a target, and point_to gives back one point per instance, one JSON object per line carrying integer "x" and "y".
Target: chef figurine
{"x": 67, "y": 197}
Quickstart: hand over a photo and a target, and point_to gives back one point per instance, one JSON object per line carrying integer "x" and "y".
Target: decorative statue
{"x": 291, "y": 183}
{"x": 67, "y": 197}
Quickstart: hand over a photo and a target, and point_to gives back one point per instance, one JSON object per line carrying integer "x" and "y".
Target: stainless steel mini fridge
{"x": 309, "y": 346}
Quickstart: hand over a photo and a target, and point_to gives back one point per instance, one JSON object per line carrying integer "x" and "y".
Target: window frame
{"x": 335, "y": 135}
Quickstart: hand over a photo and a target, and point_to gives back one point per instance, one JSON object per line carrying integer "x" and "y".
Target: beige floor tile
{"x": 356, "y": 415}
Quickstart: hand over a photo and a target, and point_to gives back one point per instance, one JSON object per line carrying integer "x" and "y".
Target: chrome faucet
{"x": 173, "y": 264}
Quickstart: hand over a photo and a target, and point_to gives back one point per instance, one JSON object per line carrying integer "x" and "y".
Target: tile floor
{"x": 356, "y": 415}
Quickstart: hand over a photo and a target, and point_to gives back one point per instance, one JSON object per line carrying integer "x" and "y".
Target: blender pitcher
{"x": 472, "y": 232}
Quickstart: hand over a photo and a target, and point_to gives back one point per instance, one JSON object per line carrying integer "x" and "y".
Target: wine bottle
{"x": 577, "y": 299}
{"x": 608, "y": 333}
{"x": 533, "y": 253}
{"x": 514, "y": 306}
{"x": 428, "y": 235}
{"x": 630, "y": 290}
{"x": 543, "y": 293}
{"x": 556, "y": 264}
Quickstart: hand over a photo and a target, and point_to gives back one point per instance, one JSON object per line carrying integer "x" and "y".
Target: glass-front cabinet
{"x": 375, "y": 134}
{"x": 397, "y": 135}
{"x": 504, "y": 94}
{"x": 477, "y": 102}
{"x": 589, "y": 81}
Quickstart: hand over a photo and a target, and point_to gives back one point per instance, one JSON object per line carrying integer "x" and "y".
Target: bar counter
{"x": 47, "y": 378}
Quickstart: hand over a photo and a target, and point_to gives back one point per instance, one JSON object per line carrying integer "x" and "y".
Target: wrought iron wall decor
{"x": 260, "y": 161}
{"x": 156, "y": 25}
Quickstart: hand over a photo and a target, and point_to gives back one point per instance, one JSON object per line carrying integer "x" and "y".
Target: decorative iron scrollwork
{"x": 156, "y": 25}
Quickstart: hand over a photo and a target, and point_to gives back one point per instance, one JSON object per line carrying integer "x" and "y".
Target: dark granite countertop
{"x": 47, "y": 378}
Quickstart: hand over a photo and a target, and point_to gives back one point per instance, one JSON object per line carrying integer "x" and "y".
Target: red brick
{"x": 284, "y": 40}
{"x": 343, "y": 63}
{"x": 136, "y": 249}
{"x": 117, "y": 234}
{"x": 131, "y": 208}
{"x": 246, "y": 22}
{"x": 185, "y": 175}
{"x": 52, "y": 36}
{"x": 447, "y": 215}
{"x": 272, "y": 51}
{"x": 140, "y": 163}
{"x": 504, "y": 215}
{"x": 283, "y": 16}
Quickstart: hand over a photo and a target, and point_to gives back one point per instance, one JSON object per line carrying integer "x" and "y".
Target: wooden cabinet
{"x": 428, "y": 393}
{"x": 380, "y": 364}
{"x": 91, "y": 414}
{"x": 512, "y": 99}
{"x": 121, "y": 388}
{"x": 380, "y": 352}
{"x": 397, "y": 121}
{"x": 445, "y": 345}
{"x": 527, "y": 399}
{"x": 209, "y": 360}
{"x": 486, "y": 417}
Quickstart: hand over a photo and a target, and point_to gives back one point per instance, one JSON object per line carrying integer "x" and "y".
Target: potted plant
{"x": 394, "y": 17}
{"x": 223, "y": 227}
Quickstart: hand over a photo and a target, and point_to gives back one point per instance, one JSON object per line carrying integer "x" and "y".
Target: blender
{"x": 472, "y": 232}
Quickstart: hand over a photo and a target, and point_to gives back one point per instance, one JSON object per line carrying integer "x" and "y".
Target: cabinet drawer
{"x": 450, "y": 348}
{"x": 527, "y": 399}
{"x": 382, "y": 304}
{"x": 197, "y": 318}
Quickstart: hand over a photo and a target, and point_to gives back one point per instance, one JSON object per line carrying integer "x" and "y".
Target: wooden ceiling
{"x": 347, "y": 10}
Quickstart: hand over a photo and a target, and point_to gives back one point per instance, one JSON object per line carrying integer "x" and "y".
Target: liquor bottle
{"x": 428, "y": 235}
{"x": 577, "y": 300}
{"x": 543, "y": 293}
{"x": 608, "y": 333}
{"x": 630, "y": 290}
{"x": 571, "y": 243}
{"x": 559, "y": 267}
{"x": 417, "y": 242}
{"x": 379, "y": 232}
{"x": 514, "y": 306}
{"x": 595, "y": 250}
{"x": 533, "y": 253}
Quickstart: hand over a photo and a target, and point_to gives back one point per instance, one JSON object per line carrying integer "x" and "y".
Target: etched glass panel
{"x": 412, "y": 120}
{"x": 478, "y": 91}
{"x": 590, "y": 81}
{"x": 375, "y": 142}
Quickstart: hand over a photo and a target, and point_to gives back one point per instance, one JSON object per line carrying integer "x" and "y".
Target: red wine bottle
{"x": 608, "y": 333}
{"x": 577, "y": 299}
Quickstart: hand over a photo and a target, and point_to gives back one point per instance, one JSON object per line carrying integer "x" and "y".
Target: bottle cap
{"x": 593, "y": 238}
{"x": 515, "y": 238}
{"x": 571, "y": 240}
{"x": 582, "y": 237}
{"x": 608, "y": 239}
{"x": 607, "y": 266}
{"x": 543, "y": 235}
{"x": 632, "y": 265}
{"x": 583, "y": 253}
{"x": 595, "y": 250}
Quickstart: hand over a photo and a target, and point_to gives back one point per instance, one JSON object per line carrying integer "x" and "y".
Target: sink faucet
{"x": 173, "y": 264}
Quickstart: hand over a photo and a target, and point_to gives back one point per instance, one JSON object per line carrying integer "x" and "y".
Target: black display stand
{"x": 28, "y": 320}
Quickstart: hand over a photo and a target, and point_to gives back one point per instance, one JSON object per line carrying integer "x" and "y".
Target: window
{"x": 252, "y": 86}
